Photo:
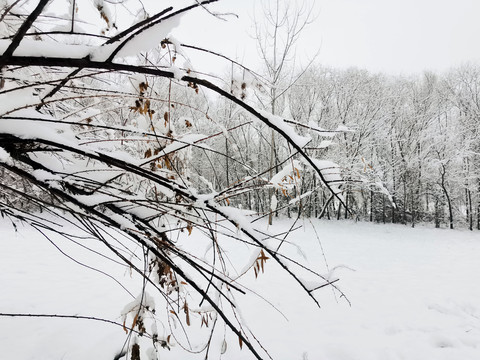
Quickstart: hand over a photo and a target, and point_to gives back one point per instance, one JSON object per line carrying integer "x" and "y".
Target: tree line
{"x": 408, "y": 148}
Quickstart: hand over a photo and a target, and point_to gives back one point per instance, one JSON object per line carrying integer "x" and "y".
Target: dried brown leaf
{"x": 135, "y": 321}
{"x": 187, "y": 313}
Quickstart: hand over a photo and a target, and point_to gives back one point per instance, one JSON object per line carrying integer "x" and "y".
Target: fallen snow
{"x": 414, "y": 295}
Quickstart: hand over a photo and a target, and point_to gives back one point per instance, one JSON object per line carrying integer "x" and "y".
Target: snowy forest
{"x": 114, "y": 138}
{"x": 406, "y": 147}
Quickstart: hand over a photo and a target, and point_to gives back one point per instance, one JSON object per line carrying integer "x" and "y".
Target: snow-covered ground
{"x": 414, "y": 293}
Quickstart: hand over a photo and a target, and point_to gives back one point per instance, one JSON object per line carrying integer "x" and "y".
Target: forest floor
{"x": 414, "y": 294}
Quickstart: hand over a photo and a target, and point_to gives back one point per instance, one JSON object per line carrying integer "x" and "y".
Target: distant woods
{"x": 420, "y": 136}
{"x": 417, "y": 137}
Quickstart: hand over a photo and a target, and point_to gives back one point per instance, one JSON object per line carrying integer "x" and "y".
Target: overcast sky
{"x": 393, "y": 36}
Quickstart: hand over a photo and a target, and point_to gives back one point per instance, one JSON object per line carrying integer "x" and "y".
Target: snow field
{"x": 414, "y": 295}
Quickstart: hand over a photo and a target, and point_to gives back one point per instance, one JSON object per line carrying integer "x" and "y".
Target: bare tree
{"x": 277, "y": 34}
{"x": 96, "y": 139}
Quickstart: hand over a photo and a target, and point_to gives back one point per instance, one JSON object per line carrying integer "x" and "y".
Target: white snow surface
{"x": 4, "y": 156}
{"x": 280, "y": 123}
{"x": 285, "y": 176}
{"x": 414, "y": 294}
{"x": 325, "y": 144}
{"x": 144, "y": 40}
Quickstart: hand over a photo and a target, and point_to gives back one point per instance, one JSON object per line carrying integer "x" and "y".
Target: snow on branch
{"x": 125, "y": 146}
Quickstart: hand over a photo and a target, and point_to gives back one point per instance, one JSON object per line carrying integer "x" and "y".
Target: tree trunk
{"x": 227, "y": 175}
{"x": 394, "y": 179}
{"x": 347, "y": 204}
{"x": 405, "y": 200}
{"x": 468, "y": 203}
{"x": 270, "y": 191}
{"x": 371, "y": 205}
{"x": 413, "y": 209}
{"x": 447, "y": 197}
{"x": 383, "y": 209}
{"x": 478, "y": 205}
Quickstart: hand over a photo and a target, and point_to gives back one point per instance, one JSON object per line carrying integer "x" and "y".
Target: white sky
{"x": 393, "y": 36}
